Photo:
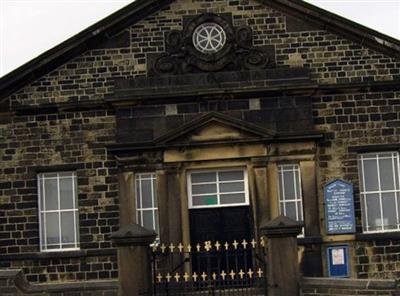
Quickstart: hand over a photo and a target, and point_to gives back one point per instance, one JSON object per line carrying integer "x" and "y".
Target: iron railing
{"x": 210, "y": 268}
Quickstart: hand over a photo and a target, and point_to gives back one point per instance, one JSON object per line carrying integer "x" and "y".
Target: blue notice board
{"x": 339, "y": 207}
{"x": 338, "y": 261}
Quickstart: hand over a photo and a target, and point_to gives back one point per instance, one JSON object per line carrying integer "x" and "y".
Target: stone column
{"x": 283, "y": 268}
{"x": 134, "y": 259}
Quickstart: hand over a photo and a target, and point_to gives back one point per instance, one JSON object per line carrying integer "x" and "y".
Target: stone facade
{"x": 62, "y": 121}
{"x": 336, "y": 287}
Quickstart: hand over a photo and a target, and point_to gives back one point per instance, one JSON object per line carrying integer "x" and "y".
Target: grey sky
{"x": 30, "y": 27}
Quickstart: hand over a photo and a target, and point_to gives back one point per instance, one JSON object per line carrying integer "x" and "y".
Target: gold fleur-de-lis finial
{"x": 159, "y": 277}
{"x": 171, "y": 247}
{"x": 207, "y": 246}
{"x": 180, "y": 247}
{"x": 154, "y": 248}
{"x": 214, "y": 276}
{"x": 226, "y": 245}
{"x": 195, "y": 276}
{"x": 168, "y": 277}
{"x": 259, "y": 272}
{"x": 186, "y": 277}
{"x": 253, "y": 243}
{"x": 189, "y": 248}
{"x": 232, "y": 274}
{"x": 217, "y": 245}
{"x": 235, "y": 244}
{"x": 244, "y": 244}
{"x": 250, "y": 273}
{"x": 223, "y": 275}
{"x": 262, "y": 243}
{"x": 198, "y": 247}
{"x": 241, "y": 274}
{"x": 204, "y": 276}
{"x": 163, "y": 247}
{"x": 177, "y": 277}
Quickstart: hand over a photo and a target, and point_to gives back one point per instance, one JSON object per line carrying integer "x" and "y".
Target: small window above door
{"x": 218, "y": 188}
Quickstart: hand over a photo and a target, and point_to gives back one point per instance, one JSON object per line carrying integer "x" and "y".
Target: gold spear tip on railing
{"x": 232, "y": 274}
{"x": 226, "y": 245}
{"x": 244, "y": 244}
{"x": 177, "y": 277}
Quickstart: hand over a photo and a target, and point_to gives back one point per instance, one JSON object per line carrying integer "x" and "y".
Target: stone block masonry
{"x": 348, "y": 287}
{"x": 13, "y": 283}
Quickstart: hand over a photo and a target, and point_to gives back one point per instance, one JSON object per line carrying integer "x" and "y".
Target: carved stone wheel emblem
{"x": 209, "y": 38}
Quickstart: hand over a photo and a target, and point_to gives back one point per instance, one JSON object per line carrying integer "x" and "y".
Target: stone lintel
{"x": 281, "y": 226}
{"x": 133, "y": 234}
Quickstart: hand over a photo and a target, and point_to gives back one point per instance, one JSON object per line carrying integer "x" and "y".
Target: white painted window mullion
{"x": 74, "y": 213}
{"x": 59, "y": 212}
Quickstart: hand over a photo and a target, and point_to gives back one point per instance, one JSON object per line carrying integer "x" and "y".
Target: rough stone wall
{"x": 352, "y": 120}
{"x": 78, "y": 137}
{"x": 347, "y": 287}
{"x": 44, "y": 141}
{"x": 331, "y": 58}
{"x": 12, "y": 283}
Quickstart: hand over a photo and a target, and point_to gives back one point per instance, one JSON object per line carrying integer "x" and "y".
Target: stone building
{"x": 200, "y": 119}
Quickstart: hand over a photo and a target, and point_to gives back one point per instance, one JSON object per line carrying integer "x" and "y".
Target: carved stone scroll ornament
{"x": 209, "y": 43}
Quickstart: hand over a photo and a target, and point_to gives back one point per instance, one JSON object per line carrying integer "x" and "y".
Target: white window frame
{"x": 217, "y": 182}
{"x": 298, "y": 198}
{"x": 155, "y": 211}
{"x": 42, "y": 211}
{"x": 363, "y": 194}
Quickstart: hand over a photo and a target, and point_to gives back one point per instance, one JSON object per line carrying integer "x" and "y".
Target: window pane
{"x": 66, "y": 193}
{"x": 51, "y": 194}
{"x": 52, "y": 229}
{"x": 389, "y": 211}
{"x": 138, "y": 203}
{"x": 206, "y": 188}
{"x": 148, "y": 220}
{"x": 232, "y": 198}
{"x": 207, "y": 200}
{"x": 300, "y": 210}
{"x": 370, "y": 175}
{"x": 203, "y": 177}
{"x": 139, "y": 217}
{"x": 288, "y": 179}
{"x": 231, "y": 175}
{"x": 146, "y": 194}
{"x": 65, "y": 174}
{"x": 291, "y": 210}
{"x": 155, "y": 205}
{"x": 231, "y": 187}
{"x": 373, "y": 212}
{"x": 386, "y": 174}
{"x": 281, "y": 196}
{"x": 157, "y": 226}
{"x": 67, "y": 227}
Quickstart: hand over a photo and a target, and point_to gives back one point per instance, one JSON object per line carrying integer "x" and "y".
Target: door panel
{"x": 223, "y": 225}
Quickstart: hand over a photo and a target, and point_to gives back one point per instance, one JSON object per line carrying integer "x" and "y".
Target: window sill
{"x": 58, "y": 254}
{"x": 378, "y": 235}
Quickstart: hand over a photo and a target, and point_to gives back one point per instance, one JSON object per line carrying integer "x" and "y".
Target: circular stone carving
{"x": 209, "y": 38}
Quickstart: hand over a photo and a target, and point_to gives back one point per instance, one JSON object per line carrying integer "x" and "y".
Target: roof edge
{"x": 106, "y": 27}
{"x": 338, "y": 24}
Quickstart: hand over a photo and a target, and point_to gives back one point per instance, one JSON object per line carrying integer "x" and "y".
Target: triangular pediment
{"x": 215, "y": 127}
